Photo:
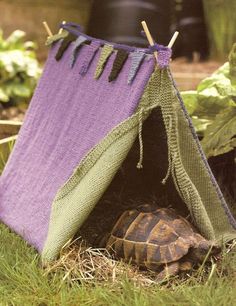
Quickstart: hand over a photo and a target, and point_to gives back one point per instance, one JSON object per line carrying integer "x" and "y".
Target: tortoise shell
{"x": 151, "y": 237}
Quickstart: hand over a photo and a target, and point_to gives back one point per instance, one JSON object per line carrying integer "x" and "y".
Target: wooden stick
{"x": 47, "y": 29}
{"x": 10, "y": 123}
{"x": 61, "y": 29}
{"x": 8, "y": 139}
{"x": 149, "y": 36}
{"x": 8, "y": 128}
{"x": 173, "y": 39}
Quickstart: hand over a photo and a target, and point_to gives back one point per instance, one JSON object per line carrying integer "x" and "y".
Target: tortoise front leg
{"x": 185, "y": 266}
{"x": 170, "y": 269}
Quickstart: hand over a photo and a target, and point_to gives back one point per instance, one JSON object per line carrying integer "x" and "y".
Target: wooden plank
{"x": 8, "y": 140}
{"x": 6, "y": 146}
{"x": 9, "y": 128}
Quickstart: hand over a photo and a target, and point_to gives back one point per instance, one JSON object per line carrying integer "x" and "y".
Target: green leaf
{"x": 20, "y": 90}
{"x": 15, "y": 40}
{"x": 227, "y": 147}
{"x": 3, "y": 96}
{"x": 190, "y": 99}
{"x": 223, "y": 70}
{"x": 213, "y": 95}
{"x": 210, "y": 102}
{"x": 30, "y": 45}
{"x": 232, "y": 63}
{"x": 209, "y": 82}
{"x": 200, "y": 124}
{"x": 212, "y": 108}
{"x": 219, "y": 136}
{"x": 19, "y": 68}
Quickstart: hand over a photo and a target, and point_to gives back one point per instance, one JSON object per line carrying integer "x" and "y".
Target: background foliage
{"x": 221, "y": 25}
{"x": 213, "y": 108}
{"x": 19, "y": 68}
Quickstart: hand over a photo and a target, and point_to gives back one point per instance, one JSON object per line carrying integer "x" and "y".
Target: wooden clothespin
{"x": 149, "y": 36}
{"x": 173, "y": 39}
{"x": 61, "y": 29}
{"x": 48, "y": 30}
{"x": 151, "y": 41}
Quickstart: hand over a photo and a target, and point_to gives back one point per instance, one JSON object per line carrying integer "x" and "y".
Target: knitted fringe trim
{"x": 104, "y": 56}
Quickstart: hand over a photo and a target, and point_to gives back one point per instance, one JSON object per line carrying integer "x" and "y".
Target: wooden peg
{"x": 173, "y": 39}
{"x": 61, "y": 29}
{"x": 149, "y": 36}
{"x": 48, "y": 30}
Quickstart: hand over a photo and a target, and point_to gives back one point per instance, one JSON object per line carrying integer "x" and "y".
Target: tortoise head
{"x": 204, "y": 248}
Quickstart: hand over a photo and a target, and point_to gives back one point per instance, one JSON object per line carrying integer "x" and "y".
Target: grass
{"x": 87, "y": 277}
{"x": 5, "y": 149}
{"x": 23, "y": 281}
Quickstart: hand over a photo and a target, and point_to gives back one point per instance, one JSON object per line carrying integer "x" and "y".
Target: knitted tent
{"x": 90, "y": 108}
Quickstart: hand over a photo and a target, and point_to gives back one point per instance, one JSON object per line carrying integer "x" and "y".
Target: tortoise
{"x": 158, "y": 239}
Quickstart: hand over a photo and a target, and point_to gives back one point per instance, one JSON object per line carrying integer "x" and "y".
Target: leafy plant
{"x": 213, "y": 108}
{"x": 221, "y": 23}
{"x": 19, "y": 68}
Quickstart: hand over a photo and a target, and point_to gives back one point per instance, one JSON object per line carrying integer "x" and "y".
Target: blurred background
{"x": 28, "y": 15}
{"x": 206, "y": 26}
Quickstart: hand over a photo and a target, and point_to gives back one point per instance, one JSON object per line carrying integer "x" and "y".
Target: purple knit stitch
{"x": 163, "y": 58}
{"x": 68, "y": 115}
{"x": 92, "y": 49}
{"x": 164, "y": 54}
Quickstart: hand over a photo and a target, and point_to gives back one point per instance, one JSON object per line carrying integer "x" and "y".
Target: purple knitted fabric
{"x": 163, "y": 58}
{"x": 92, "y": 49}
{"x": 68, "y": 115}
{"x": 164, "y": 54}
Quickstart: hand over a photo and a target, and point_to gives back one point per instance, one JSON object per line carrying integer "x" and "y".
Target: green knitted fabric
{"x": 188, "y": 170}
{"x": 51, "y": 39}
{"x": 170, "y": 110}
{"x": 105, "y": 54}
{"x": 77, "y": 198}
